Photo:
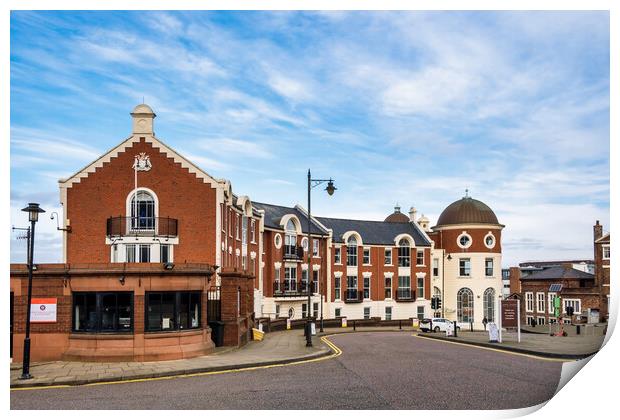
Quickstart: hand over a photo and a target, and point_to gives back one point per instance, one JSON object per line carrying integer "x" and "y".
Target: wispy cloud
{"x": 411, "y": 107}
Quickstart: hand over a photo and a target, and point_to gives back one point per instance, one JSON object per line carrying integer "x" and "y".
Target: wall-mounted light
{"x": 121, "y": 280}
{"x": 67, "y": 229}
{"x": 168, "y": 266}
{"x": 449, "y": 257}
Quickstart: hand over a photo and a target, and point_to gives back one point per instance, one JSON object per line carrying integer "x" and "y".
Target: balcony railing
{"x": 353, "y": 296}
{"x": 292, "y": 288}
{"x": 405, "y": 295}
{"x": 292, "y": 252}
{"x": 142, "y": 226}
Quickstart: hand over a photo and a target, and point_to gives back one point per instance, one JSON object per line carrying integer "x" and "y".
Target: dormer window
{"x": 404, "y": 253}
{"x": 352, "y": 251}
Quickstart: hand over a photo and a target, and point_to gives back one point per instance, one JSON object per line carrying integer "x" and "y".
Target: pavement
{"x": 544, "y": 345}
{"x": 277, "y": 347}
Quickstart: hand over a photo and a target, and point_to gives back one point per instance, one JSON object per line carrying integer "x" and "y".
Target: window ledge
{"x": 85, "y": 335}
{"x": 173, "y": 333}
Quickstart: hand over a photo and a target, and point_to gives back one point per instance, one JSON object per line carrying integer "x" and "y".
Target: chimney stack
{"x": 412, "y": 214}
{"x": 598, "y": 230}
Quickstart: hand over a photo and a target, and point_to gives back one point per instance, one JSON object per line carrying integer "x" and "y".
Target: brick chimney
{"x": 598, "y": 230}
{"x": 515, "y": 280}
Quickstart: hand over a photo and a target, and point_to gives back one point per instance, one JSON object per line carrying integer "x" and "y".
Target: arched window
{"x": 352, "y": 251}
{"x": 465, "y": 305}
{"x": 489, "y": 304}
{"x": 142, "y": 211}
{"x": 290, "y": 238}
{"x": 404, "y": 251}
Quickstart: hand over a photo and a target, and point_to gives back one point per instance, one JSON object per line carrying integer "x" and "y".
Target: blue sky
{"x": 407, "y": 107}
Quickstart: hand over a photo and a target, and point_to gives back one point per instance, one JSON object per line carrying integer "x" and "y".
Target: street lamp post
{"x": 330, "y": 190}
{"x": 33, "y": 211}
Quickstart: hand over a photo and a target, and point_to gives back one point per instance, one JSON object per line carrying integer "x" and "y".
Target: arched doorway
{"x": 465, "y": 305}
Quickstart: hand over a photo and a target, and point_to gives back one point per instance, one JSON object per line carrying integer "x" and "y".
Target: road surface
{"x": 378, "y": 370}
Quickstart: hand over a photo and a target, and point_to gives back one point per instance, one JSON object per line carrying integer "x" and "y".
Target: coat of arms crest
{"x": 142, "y": 162}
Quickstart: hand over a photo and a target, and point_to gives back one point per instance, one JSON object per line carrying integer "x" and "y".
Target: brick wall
{"x": 104, "y": 193}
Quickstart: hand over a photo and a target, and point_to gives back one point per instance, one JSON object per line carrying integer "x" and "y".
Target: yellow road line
{"x": 547, "y": 359}
{"x": 336, "y": 352}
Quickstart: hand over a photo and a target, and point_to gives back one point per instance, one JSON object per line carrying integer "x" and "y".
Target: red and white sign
{"x": 43, "y": 310}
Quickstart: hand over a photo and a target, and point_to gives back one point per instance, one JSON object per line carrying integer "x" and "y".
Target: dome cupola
{"x": 397, "y": 216}
{"x": 467, "y": 211}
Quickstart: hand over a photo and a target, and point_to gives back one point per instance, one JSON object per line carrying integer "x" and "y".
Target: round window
{"x": 304, "y": 244}
{"x": 464, "y": 240}
{"x": 277, "y": 240}
{"x": 489, "y": 240}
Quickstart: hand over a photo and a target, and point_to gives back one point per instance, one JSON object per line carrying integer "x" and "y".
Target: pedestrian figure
{"x": 485, "y": 321}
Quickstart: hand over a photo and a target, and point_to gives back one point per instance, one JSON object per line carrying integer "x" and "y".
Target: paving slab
{"x": 571, "y": 347}
{"x": 277, "y": 347}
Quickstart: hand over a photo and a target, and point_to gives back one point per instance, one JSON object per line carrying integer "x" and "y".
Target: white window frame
{"x": 550, "y": 302}
{"x": 387, "y": 255}
{"x": 541, "y": 320}
{"x": 237, "y": 227}
{"x": 420, "y": 280}
{"x": 366, "y": 284}
{"x": 435, "y": 267}
{"x": 366, "y": 256}
{"x": 540, "y": 302}
{"x": 337, "y": 288}
{"x": 417, "y": 258}
{"x": 606, "y": 250}
{"x": 462, "y": 270}
{"x": 486, "y": 267}
{"x": 315, "y": 248}
{"x": 367, "y": 312}
{"x": 385, "y": 280}
{"x": 253, "y": 231}
{"x": 388, "y": 313}
{"x": 469, "y": 240}
{"x": 565, "y": 303}
{"x": 529, "y": 301}
{"x": 337, "y": 255}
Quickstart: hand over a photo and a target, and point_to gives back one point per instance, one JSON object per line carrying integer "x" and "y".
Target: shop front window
{"x": 172, "y": 311}
{"x": 102, "y": 312}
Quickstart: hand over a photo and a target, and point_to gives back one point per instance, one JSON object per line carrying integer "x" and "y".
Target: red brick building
{"x": 150, "y": 239}
{"x": 538, "y": 283}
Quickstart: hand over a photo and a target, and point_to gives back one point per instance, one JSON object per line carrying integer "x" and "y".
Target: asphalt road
{"x": 375, "y": 371}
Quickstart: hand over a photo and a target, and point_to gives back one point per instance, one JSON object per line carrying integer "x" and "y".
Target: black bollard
{"x": 455, "y": 334}
{"x": 353, "y": 325}
{"x": 400, "y": 324}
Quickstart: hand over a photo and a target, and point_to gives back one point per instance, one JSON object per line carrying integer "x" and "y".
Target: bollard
{"x": 471, "y": 326}
{"x": 578, "y": 329}
{"x": 455, "y": 334}
{"x": 400, "y": 324}
{"x": 353, "y": 325}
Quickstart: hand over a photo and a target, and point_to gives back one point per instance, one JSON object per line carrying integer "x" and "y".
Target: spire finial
{"x": 466, "y": 192}
{"x": 397, "y": 208}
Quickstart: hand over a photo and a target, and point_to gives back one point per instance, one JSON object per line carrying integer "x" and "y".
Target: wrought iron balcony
{"x": 405, "y": 295}
{"x": 289, "y": 288}
{"x": 293, "y": 252}
{"x": 353, "y": 296}
{"x": 142, "y": 226}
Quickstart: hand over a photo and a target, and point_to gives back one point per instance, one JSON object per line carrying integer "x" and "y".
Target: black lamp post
{"x": 330, "y": 190}
{"x": 33, "y": 211}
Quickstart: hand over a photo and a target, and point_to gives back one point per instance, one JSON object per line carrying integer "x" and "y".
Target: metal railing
{"x": 404, "y": 295}
{"x": 292, "y": 288}
{"x": 353, "y": 296}
{"x": 142, "y": 226}
{"x": 293, "y": 252}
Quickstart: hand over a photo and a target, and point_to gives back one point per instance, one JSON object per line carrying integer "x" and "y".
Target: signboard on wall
{"x": 509, "y": 313}
{"x": 43, "y": 310}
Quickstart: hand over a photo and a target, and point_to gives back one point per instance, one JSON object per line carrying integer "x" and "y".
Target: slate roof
{"x": 273, "y": 215}
{"x": 374, "y": 232}
{"x": 559, "y": 272}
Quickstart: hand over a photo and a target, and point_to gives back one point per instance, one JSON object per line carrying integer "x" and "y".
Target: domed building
{"x": 467, "y": 246}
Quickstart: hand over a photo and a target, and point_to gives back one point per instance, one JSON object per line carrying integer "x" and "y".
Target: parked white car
{"x": 438, "y": 324}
